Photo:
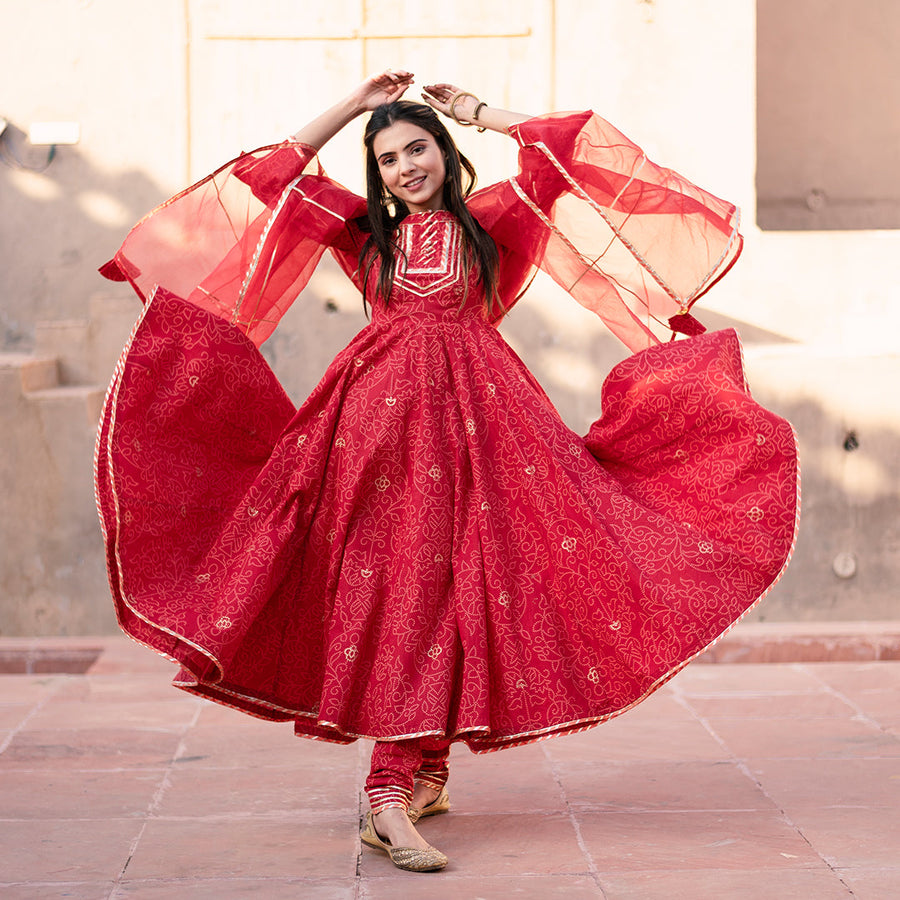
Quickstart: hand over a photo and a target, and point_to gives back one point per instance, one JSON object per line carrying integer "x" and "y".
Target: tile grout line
{"x": 359, "y": 889}
{"x": 744, "y": 769}
{"x": 155, "y": 801}
{"x": 34, "y": 711}
{"x": 593, "y": 871}
{"x": 861, "y": 714}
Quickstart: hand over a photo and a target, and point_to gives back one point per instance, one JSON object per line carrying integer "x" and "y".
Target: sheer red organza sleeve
{"x": 635, "y": 243}
{"x": 243, "y": 242}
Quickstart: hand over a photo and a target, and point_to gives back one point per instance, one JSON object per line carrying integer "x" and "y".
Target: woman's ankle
{"x": 423, "y": 794}
{"x": 393, "y": 825}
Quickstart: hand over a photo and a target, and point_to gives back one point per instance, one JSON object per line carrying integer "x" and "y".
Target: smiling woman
{"x": 411, "y": 166}
{"x": 423, "y": 553}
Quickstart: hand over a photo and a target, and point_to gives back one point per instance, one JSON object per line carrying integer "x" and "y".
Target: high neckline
{"x": 427, "y": 214}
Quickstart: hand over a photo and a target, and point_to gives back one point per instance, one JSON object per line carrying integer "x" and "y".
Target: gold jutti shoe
{"x": 440, "y": 804}
{"x": 430, "y": 860}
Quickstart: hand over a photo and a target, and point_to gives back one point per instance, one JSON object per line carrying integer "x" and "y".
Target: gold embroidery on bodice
{"x": 429, "y": 257}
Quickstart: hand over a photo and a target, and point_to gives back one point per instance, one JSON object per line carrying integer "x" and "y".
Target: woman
{"x": 423, "y": 552}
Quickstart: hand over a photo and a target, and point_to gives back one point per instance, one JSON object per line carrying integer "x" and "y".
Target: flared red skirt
{"x": 424, "y": 548}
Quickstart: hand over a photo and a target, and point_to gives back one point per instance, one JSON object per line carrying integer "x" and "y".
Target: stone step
{"x": 31, "y": 372}
{"x": 112, "y": 319}
{"x": 69, "y": 340}
{"x": 87, "y": 349}
{"x": 55, "y": 401}
{"x": 791, "y": 642}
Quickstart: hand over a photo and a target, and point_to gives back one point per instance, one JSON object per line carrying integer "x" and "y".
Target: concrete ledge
{"x": 48, "y": 660}
{"x": 35, "y": 372}
{"x": 103, "y": 655}
{"x": 782, "y": 642}
{"x": 753, "y": 642}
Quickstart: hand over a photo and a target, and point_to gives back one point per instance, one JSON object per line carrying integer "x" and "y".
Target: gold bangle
{"x": 478, "y": 109}
{"x": 455, "y": 99}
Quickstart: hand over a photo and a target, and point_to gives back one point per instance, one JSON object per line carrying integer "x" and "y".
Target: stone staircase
{"x": 52, "y": 569}
{"x": 73, "y": 359}
{"x": 39, "y": 382}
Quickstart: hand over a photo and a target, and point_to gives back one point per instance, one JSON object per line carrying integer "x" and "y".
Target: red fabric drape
{"x": 634, "y": 242}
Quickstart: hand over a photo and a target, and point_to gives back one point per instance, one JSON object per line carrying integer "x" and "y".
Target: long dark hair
{"x": 385, "y": 212}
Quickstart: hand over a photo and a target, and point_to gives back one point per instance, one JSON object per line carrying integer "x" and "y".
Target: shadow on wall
{"x": 846, "y": 564}
{"x": 750, "y": 334}
{"x": 61, "y": 220}
{"x": 571, "y": 352}
{"x": 847, "y": 561}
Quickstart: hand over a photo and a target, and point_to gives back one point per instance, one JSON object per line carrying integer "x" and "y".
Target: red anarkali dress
{"x": 424, "y": 547}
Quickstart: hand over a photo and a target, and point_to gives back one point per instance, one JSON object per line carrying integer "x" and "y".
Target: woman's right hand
{"x": 385, "y": 87}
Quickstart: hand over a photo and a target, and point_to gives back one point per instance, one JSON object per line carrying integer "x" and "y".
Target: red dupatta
{"x": 635, "y": 243}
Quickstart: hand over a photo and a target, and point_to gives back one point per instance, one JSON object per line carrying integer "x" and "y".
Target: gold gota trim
{"x": 580, "y": 192}
{"x": 112, "y": 392}
{"x": 311, "y": 202}
{"x": 111, "y": 389}
{"x": 254, "y": 262}
{"x": 111, "y": 402}
{"x": 204, "y": 689}
{"x": 446, "y": 271}
{"x": 683, "y": 302}
{"x": 434, "y": 732}
{"x": 122, "y": 593}
{"x": 735, "y": 231}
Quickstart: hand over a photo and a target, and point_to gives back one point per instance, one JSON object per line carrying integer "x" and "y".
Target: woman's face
{"x": 411, "y": 165}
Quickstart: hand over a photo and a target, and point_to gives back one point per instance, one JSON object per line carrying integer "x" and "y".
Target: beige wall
{"x": 165, "y": 90}
{"x": 828, "y": 129}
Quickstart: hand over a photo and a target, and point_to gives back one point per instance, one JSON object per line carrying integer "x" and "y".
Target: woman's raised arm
{"x": 467, "y": 109}
{"x": 384, "y": 87}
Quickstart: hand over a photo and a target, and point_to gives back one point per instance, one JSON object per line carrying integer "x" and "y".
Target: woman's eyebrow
{"x": 393, "y": 152}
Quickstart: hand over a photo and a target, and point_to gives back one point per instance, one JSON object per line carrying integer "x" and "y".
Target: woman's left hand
{"x": 440, "y": 97}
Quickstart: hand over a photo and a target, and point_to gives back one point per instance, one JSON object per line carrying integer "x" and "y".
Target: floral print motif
{"x": 369, "y": 592}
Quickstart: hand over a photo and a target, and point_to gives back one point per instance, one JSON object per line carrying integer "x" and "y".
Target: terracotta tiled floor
{"x": 735, "y": 781}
